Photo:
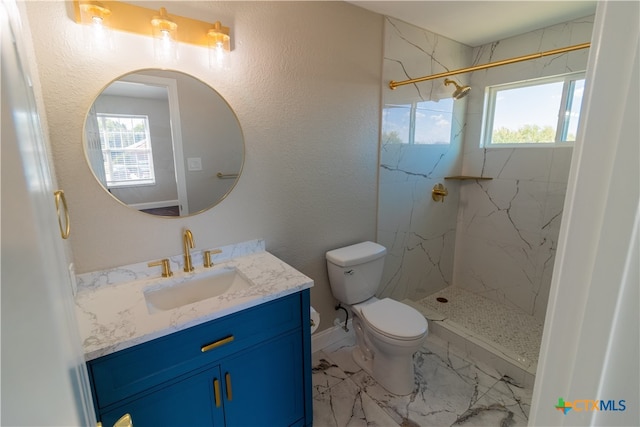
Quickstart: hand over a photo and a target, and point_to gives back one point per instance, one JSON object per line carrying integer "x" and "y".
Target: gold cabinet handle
{"x": 216, "y": 391}
{"x": 227, "y": 379}
{"x": 218, "y": 343}
{"x": 66, "y": 229}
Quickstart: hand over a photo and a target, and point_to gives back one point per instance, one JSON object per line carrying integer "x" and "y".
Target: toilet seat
{"x": 395, "y": 319}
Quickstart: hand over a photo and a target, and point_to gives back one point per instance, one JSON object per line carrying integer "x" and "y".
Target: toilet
{"x": 388, "y": 332}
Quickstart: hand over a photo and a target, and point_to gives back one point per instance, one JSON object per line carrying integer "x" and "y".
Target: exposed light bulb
{"x": 164, "y": 31}
{"x": 219, "y": 47}
{"x": 101, "y": 33}
{"x": 97, "y": 33}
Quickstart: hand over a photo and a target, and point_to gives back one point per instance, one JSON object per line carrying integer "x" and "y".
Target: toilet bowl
{"x": 388, "y": 332}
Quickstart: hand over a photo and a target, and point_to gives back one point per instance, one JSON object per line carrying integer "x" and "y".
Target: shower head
{"x": 460, "y": 92}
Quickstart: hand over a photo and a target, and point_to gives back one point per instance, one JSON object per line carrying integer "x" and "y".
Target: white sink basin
{"x": 177, "y": 294}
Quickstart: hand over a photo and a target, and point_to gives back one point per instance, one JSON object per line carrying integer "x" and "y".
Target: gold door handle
{"x": 216, "y": 344}
{"x": 227, "y": 379}
{"x": 59, "y": 198}
{"x": 216, "y": 391}
{"x": 124, "y": 421}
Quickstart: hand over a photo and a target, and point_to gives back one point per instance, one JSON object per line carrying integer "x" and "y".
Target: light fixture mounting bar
{"x": 137, "y": 20}
{"x": 394, "y": 84}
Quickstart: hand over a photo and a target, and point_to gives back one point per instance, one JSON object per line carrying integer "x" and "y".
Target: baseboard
{"x": 329, "y": 336}
{"x": 154, "y": 205}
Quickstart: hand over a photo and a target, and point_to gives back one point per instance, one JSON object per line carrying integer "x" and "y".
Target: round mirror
{"x": 164, "y": 143}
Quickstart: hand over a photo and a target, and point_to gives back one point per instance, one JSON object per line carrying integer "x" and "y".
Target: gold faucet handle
{"x": 207, "y": 257}
{"x": 439, "y": 192}
{"x": 166, "y": 268}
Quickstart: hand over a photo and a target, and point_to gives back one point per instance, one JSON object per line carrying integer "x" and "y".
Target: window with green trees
{"x": 539, "y": 111}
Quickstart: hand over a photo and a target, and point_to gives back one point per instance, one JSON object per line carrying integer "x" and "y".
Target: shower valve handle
{"x": 439, "y": 192}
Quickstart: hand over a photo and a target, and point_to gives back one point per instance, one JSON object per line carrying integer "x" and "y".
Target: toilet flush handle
{"x": 349, "y": 273}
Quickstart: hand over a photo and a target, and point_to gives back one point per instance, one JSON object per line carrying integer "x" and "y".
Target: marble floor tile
{"x": 450, "y": 390}
{"x": 346, "y": 404}
{"x": 341, "y": 355}
{"x": 325, "y": 373}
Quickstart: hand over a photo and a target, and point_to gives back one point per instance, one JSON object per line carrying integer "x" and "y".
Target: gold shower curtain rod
{"x": 393, "y": 84}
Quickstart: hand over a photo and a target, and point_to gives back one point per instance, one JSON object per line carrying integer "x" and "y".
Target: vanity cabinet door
{"x": 188, "y": 402}
{"x": 261, "y": 386}
{"x": 264, "y": 386}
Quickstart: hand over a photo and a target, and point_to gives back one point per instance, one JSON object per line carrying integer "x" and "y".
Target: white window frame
{"x": 491, "y": 93}
{"x": 106, "y": 155}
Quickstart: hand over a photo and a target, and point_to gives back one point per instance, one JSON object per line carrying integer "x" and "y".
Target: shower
{"x": 489, "y": 249}
{"x": 460, "y": 92}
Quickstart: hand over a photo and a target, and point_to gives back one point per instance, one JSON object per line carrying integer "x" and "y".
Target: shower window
{"x": 534, "y": 112}
{"x": 126, "y": 150}
{"x": 419, "y": 123}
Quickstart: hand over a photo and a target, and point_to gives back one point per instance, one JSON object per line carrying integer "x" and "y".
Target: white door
{"x": 44, "y": 380}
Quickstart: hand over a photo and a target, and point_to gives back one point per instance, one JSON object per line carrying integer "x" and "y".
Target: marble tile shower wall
{"x": 418, "y": 233}
{"x": 507, "y": 229}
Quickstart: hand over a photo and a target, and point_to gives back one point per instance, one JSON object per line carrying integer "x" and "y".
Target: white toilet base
{"x": 358, "y": 357}
{"x": 394, "y": 374}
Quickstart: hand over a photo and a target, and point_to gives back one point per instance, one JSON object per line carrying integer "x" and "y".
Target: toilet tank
{"x": 355, "y": 271}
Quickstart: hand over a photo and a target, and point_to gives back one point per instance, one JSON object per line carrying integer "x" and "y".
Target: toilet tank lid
{"x": 356, "y": 254}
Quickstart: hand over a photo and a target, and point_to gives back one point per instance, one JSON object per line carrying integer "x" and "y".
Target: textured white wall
{"x": 305, "y": 85}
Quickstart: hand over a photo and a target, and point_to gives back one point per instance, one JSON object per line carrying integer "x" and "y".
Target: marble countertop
{"x": 112, "y": 311}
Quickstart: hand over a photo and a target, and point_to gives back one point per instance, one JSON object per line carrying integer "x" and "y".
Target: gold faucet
{"x": 166, "y": 268}
{"x": 207, "y": 257}
{"x": 187, "y": 240}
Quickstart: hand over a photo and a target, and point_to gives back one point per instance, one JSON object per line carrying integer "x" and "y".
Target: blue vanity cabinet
{"x": 257, "y": 373}
{"x": 185, "y": 403}
{"x": 265, "y": 385}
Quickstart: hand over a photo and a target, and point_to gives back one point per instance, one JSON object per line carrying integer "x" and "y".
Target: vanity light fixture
{"x": 164, "y": 37}
{"x": 94, "y": 16}
{"x": 168, "y": 30}
{"x": 219, "y": 46}
{"x": 94, "y": 13}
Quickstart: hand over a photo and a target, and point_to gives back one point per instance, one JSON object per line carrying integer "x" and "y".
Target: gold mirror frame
{"x": 205, "y": 120}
